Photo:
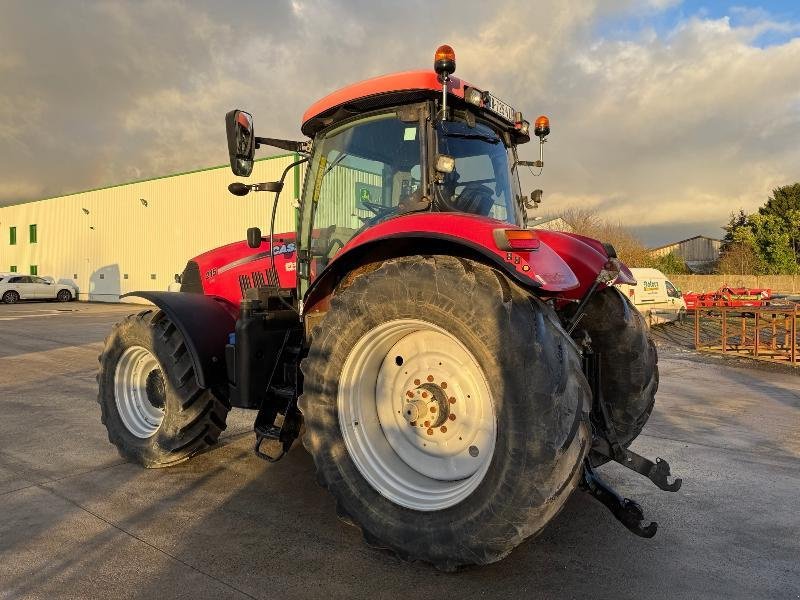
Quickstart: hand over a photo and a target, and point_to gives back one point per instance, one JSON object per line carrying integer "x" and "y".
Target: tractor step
{"x": 271, "y": 433}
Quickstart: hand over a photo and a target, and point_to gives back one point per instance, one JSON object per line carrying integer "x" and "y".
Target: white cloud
{"x": 655, "y": 128}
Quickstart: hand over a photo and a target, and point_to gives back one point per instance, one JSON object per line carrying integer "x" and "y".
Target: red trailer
{"x": 728, "y": 296}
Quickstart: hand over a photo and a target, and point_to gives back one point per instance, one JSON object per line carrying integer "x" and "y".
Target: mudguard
{"x": 585, "y": 256}
{"x": 204, "y": 323}
{"x": 458, "y": 234}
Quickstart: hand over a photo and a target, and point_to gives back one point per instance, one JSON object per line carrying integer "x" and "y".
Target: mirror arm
{"x": 530, "y": 163}
{"x": 290, "y": 145}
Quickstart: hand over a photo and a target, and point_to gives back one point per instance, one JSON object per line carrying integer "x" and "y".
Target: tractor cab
{"x": 413, "y": 142}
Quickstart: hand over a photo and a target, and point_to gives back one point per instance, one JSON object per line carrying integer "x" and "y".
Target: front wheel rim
{"x": 417, "y": 414}
{"x": 139, "y": 391}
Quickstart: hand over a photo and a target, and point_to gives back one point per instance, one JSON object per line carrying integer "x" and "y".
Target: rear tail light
{"x": 516, "y": 239}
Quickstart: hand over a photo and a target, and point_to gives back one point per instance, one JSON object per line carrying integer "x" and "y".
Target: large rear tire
{"x": 629, "y": 361}
{"x": 445, "y": 410}
{"x": 151, "y": 405}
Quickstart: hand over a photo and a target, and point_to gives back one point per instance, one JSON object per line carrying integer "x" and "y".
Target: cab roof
{"x": 372, "y": 93}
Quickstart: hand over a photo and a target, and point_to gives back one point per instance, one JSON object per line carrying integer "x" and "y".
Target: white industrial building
{"x": 137, "y": 236}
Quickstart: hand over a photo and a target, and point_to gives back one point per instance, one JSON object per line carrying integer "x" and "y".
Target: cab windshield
{"x": 481, "y": 182}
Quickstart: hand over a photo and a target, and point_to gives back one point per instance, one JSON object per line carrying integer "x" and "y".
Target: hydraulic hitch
{"x": 658, "y": 472}
{"x": 626, "y": 511}
{"x": 606, "y": 443}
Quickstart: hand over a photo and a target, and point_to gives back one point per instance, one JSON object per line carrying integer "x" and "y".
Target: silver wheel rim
{"x": 135, "y": 391}
{"x": 397, "y": 383}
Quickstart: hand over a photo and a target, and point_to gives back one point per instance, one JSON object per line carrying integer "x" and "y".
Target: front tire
{"x": 64, "y": 296}
{"x": 629, "y": 362}
{"x": 456, "y": 489}
{"x": 151, "y": 405}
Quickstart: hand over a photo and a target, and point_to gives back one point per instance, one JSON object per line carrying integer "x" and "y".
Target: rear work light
{"x": 516, "y": 239}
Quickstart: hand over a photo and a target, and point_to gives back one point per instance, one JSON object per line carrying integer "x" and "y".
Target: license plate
{"x": 499, "y": 107}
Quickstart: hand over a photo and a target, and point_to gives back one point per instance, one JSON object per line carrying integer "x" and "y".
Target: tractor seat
{"x": 475, "y": 198}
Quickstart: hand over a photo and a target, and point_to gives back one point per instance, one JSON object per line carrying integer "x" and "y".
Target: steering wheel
{"x": 375, "y": 208}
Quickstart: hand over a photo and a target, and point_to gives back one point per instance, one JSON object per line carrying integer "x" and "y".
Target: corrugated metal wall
{"x": 694, "y": 249}
{"x": 338, "y": 200}
{"x": 137, "y": 236}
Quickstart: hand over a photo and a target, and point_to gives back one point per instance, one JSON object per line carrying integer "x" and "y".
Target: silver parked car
{"x": 15, "y": 287}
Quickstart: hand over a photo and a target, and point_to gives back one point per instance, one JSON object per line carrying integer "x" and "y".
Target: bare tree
{"x": 738, "y": 259}
{"x": 630, "y": 249}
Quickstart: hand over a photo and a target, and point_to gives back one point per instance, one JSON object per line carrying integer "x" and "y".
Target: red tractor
{"x": 455, "y": 376}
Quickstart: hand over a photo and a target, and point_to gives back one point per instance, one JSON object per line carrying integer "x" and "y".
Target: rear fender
{"x": 466, "y": 236}
{"x": 204, "y": 323}
{"x": 585, "y": 256}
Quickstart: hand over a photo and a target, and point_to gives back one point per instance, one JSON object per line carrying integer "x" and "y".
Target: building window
{"x": 13, "y": 268}
{"x": 34, "y": 270}
{"x": 12, "y": 235}
{"x": 32, "y": 231}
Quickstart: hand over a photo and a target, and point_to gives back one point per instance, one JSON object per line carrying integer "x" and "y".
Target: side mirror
{"x": 241, "y": 141}
{"x": 254, "y": 237}
{"x": 531, "y": 204}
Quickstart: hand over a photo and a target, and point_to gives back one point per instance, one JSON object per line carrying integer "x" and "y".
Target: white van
{"x": 655, "y": 296}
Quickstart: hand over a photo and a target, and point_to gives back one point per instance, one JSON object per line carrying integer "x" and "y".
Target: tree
{"x": 586, "y": 221}
{"x": 739, "y": 259}
{"x": 671, "y": 264}
{"x": 762, "y": 243}
{"x": 773, "y": 243}
{"x": 784, "y": 205}
{"x": 736, "y": 222}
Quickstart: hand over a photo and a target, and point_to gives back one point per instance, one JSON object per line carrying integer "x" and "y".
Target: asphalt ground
{"x": 78, "y": 522}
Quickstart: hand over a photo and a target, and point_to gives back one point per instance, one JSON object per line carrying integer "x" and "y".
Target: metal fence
{"x": 765, "y": 333}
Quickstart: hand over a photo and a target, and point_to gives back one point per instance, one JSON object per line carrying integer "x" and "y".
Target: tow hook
{"x": 658, "y": 472}
{"x": 606, "y": 443}
{"x": 626, "y": 511}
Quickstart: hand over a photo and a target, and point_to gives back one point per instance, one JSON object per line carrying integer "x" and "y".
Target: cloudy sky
{"x": 666, "y": 115}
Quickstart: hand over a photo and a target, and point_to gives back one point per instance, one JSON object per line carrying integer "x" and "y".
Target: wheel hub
{"x": 139, "y": 391}
{"x": 155, "y": 388}
{"x": 417, "y": 414}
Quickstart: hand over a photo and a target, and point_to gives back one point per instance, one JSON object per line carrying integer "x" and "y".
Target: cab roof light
{"x": 444, "y": 61}
{"x": 516, "y": 239}
{"x": 541, "y": 127}
{"x": 474, "y": 96}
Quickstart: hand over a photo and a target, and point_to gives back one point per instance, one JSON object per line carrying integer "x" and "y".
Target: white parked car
{"x": 15, "y": 287}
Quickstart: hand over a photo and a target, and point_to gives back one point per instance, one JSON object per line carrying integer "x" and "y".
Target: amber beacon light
{"x": 542, "y": 127}
{"x": 444, "y": 61}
